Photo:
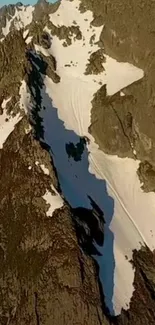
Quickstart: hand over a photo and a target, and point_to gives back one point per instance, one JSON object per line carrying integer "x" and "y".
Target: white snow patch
{"x": 40, "y": 49}
{"x": 112, "y": 182}
{"x": 7, "y": 123}
{"x": 24, "y": 97}
{"x": 55, "y": 201}
{"x": 5, "y": 101}
{"x": 120, "y": 74}
{"x": 30, "y": 167}
{"x": 29, "y": 39}
{"x": 6, "y": 29}
{"x": 25, "y": 33}
{"x": 20, "y": 19}
{"x": 122, "y": 94}
{"x": 45, "y": 169}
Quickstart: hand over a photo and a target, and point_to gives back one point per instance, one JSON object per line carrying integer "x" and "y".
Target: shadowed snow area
{"x": 112, "y": 182}
{"x": 77, "y": 182}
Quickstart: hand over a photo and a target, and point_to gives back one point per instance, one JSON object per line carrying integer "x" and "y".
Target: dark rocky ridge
{"x": 42, "y": 267}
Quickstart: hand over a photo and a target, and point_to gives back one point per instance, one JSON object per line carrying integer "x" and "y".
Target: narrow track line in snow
{"x": 73, "y": 109}
{"x": 119, "y": 199}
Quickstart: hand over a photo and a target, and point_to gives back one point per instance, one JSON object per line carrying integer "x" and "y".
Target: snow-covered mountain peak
{"x": 22, "y": 17}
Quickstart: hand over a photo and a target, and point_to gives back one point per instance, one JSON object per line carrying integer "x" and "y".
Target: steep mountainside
{"x": 77, "y": 201}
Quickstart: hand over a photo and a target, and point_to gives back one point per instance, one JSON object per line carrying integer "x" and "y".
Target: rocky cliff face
{"x": 44, "y": 277}
{"x": 56, "y": 206}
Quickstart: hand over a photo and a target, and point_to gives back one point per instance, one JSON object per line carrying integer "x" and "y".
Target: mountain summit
{"x": 77, "y": 218}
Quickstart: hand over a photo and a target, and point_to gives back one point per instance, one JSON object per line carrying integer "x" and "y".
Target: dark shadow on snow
{"x": 92, "y": 207}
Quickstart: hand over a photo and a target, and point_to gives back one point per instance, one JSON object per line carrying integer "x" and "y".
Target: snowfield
{"x": 112, "y": 182}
